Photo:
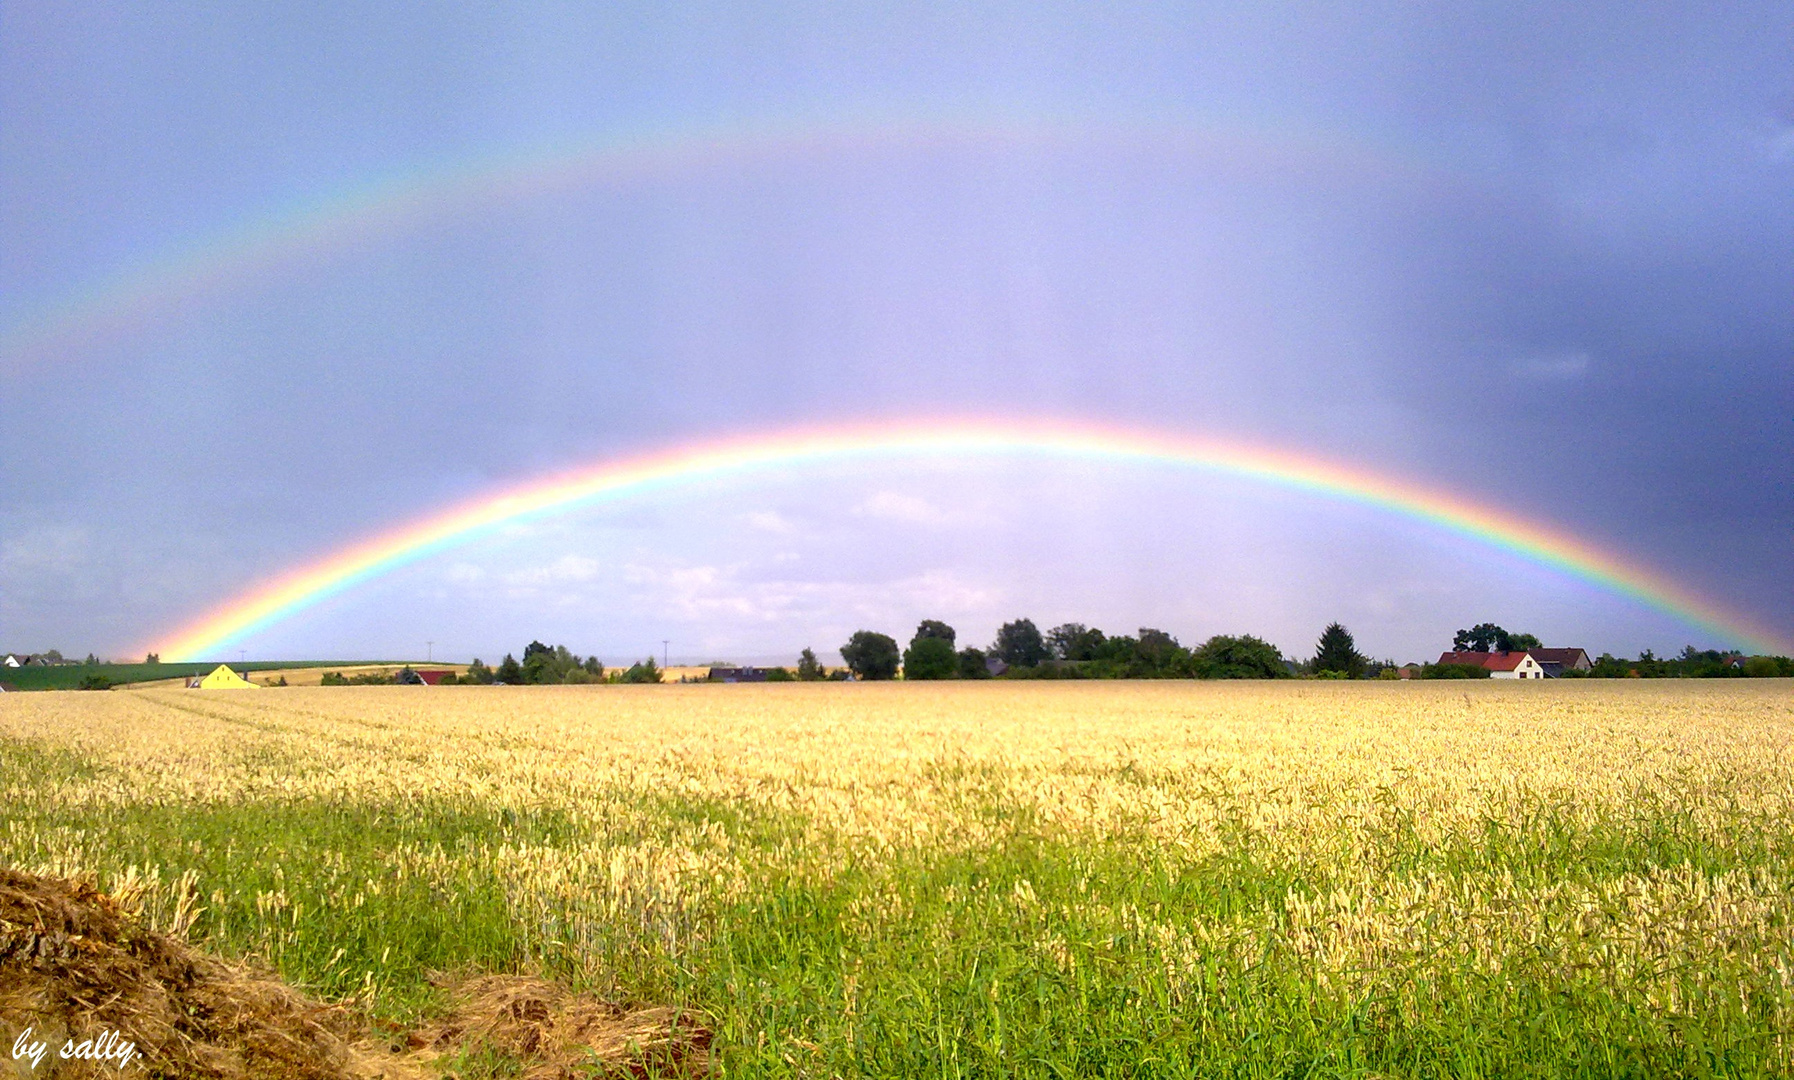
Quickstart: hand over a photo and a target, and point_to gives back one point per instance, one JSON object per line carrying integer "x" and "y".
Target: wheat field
{"x": 983, "y": 879}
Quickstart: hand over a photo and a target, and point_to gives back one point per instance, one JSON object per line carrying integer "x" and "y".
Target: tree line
{"x": 1076, "y": 651}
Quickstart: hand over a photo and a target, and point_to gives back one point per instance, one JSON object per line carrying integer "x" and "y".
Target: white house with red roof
{"x": 1500, "y": 665}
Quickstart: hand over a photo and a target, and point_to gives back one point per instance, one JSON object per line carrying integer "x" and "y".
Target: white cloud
{"x": 49, "y": 549}
{"x": 770, "y": 521}
{"x": 895, "y": 506}
{"x": 1559, "y": 366}
{"x": 564, "y": 570}
{"x": 1777, "y": 143}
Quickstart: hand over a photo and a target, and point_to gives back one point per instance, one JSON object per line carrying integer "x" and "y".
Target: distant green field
{"x": 69, "y": 677}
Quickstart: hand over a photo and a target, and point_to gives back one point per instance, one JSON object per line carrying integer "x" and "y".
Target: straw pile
{"x": 76, "y": 966}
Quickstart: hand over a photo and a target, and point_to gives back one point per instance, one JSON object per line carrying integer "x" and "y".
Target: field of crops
{"x": 982, "y": 879}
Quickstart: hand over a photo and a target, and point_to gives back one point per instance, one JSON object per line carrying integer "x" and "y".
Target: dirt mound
{"x": 554, "y": 1034}
{"x": 75, "y": 966}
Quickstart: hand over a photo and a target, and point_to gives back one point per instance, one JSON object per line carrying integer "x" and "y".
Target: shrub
{"x": 1762, "y": 667}
{"x": 972, "y": 664}
{"x": 1453, "y": 671}
{"x": 1243, "y": 657}
{"x": 645, "y": 672}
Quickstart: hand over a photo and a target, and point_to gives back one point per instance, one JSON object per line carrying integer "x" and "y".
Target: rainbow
{"x": 238, "y": 256}
{"x": 608, "y": 481}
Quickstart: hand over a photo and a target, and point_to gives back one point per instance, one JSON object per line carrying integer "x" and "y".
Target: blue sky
{"x": 1540, "y": 256}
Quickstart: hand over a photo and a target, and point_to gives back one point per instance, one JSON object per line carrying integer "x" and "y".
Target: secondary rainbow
{"x": 273, "y": 240}
{"x": 306, "y": 586}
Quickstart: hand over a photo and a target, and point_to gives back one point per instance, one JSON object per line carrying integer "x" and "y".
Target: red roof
{"x": 1494, "y": 661}
{"x": 431, "y": 678}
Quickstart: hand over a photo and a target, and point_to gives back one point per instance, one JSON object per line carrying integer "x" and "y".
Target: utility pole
{"x": 664, "y": 645}
{"x": 429, "y": 652}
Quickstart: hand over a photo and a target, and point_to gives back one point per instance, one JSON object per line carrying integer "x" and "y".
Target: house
{"x": 1565, "y": 659}
{"x": 995, "y": 666}
{"x": 223, "y": 678}
{"x": 737, "y": 674}
{"x": 407, "y": 676}
{"x": 1514, "y": 665}
{"x": 1500, "y": 665}
{"x": 12, "y": 660}
{"x": 8, "y": 688}
{"x": 1408, "y": 671}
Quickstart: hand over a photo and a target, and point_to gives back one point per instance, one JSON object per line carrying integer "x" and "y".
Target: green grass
{"x": 68, "y": 677}
{"x": 930, "y": 962}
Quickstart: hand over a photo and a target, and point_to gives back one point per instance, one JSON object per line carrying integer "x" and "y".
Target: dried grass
{"x": 76, "y": 963}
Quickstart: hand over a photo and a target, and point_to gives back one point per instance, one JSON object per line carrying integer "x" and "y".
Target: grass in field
{"x": 69, "y": 676}
{"x": 990, "y": 881}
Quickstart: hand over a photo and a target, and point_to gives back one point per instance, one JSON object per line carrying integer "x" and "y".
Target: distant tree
{"x": 1157, "y": 655}
{"x": 1244, "y": 657}
{"x": 91, "y": 660}
{"x": 509, "y": 672}
{"x": 1483, "y": 637}
{"x": 1337, "y": 652}
{"x": 1762, "y": 667}
{"x": 644, "y": 672}
{"x": 1019, "y": 644}
{"x": 153, "y": 658}
{"x": 934, "y": 628}
{"x": 95, "y": 681}
{"x": 332, "y": 678}
{"x": 53, "y": 656}
{"x": 808, "y": 669}
{"x": 593, "y": 668}
{"x": 780, "y": 674}
{"x": 930, "y": 658}
{"x": 542, "y": 664}
{"x": 972, "y": 664}
{"x": 1522, "y": 642}
{"x": 871, "y": 655}
{"x": 478, "y": 674}
{"x": 1074, "y": 641}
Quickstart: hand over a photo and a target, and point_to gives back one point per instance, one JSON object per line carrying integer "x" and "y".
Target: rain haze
{"x": 280, "y": 279}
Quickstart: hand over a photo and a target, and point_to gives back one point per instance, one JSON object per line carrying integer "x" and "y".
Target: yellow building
{"x": 223, "y": 678}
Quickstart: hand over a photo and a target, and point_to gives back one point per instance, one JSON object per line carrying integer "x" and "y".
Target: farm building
{"x": 1504, "y": 665}
{"x": 424, "y": 677}
{"x": 12, "y": 660}
{"x": 737, "y": 674}
{"x": 1559, "y": 660}
{"x": 223, "y": 678}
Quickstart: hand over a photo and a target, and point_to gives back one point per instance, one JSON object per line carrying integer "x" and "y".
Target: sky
{"x": 279, "y": 279}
